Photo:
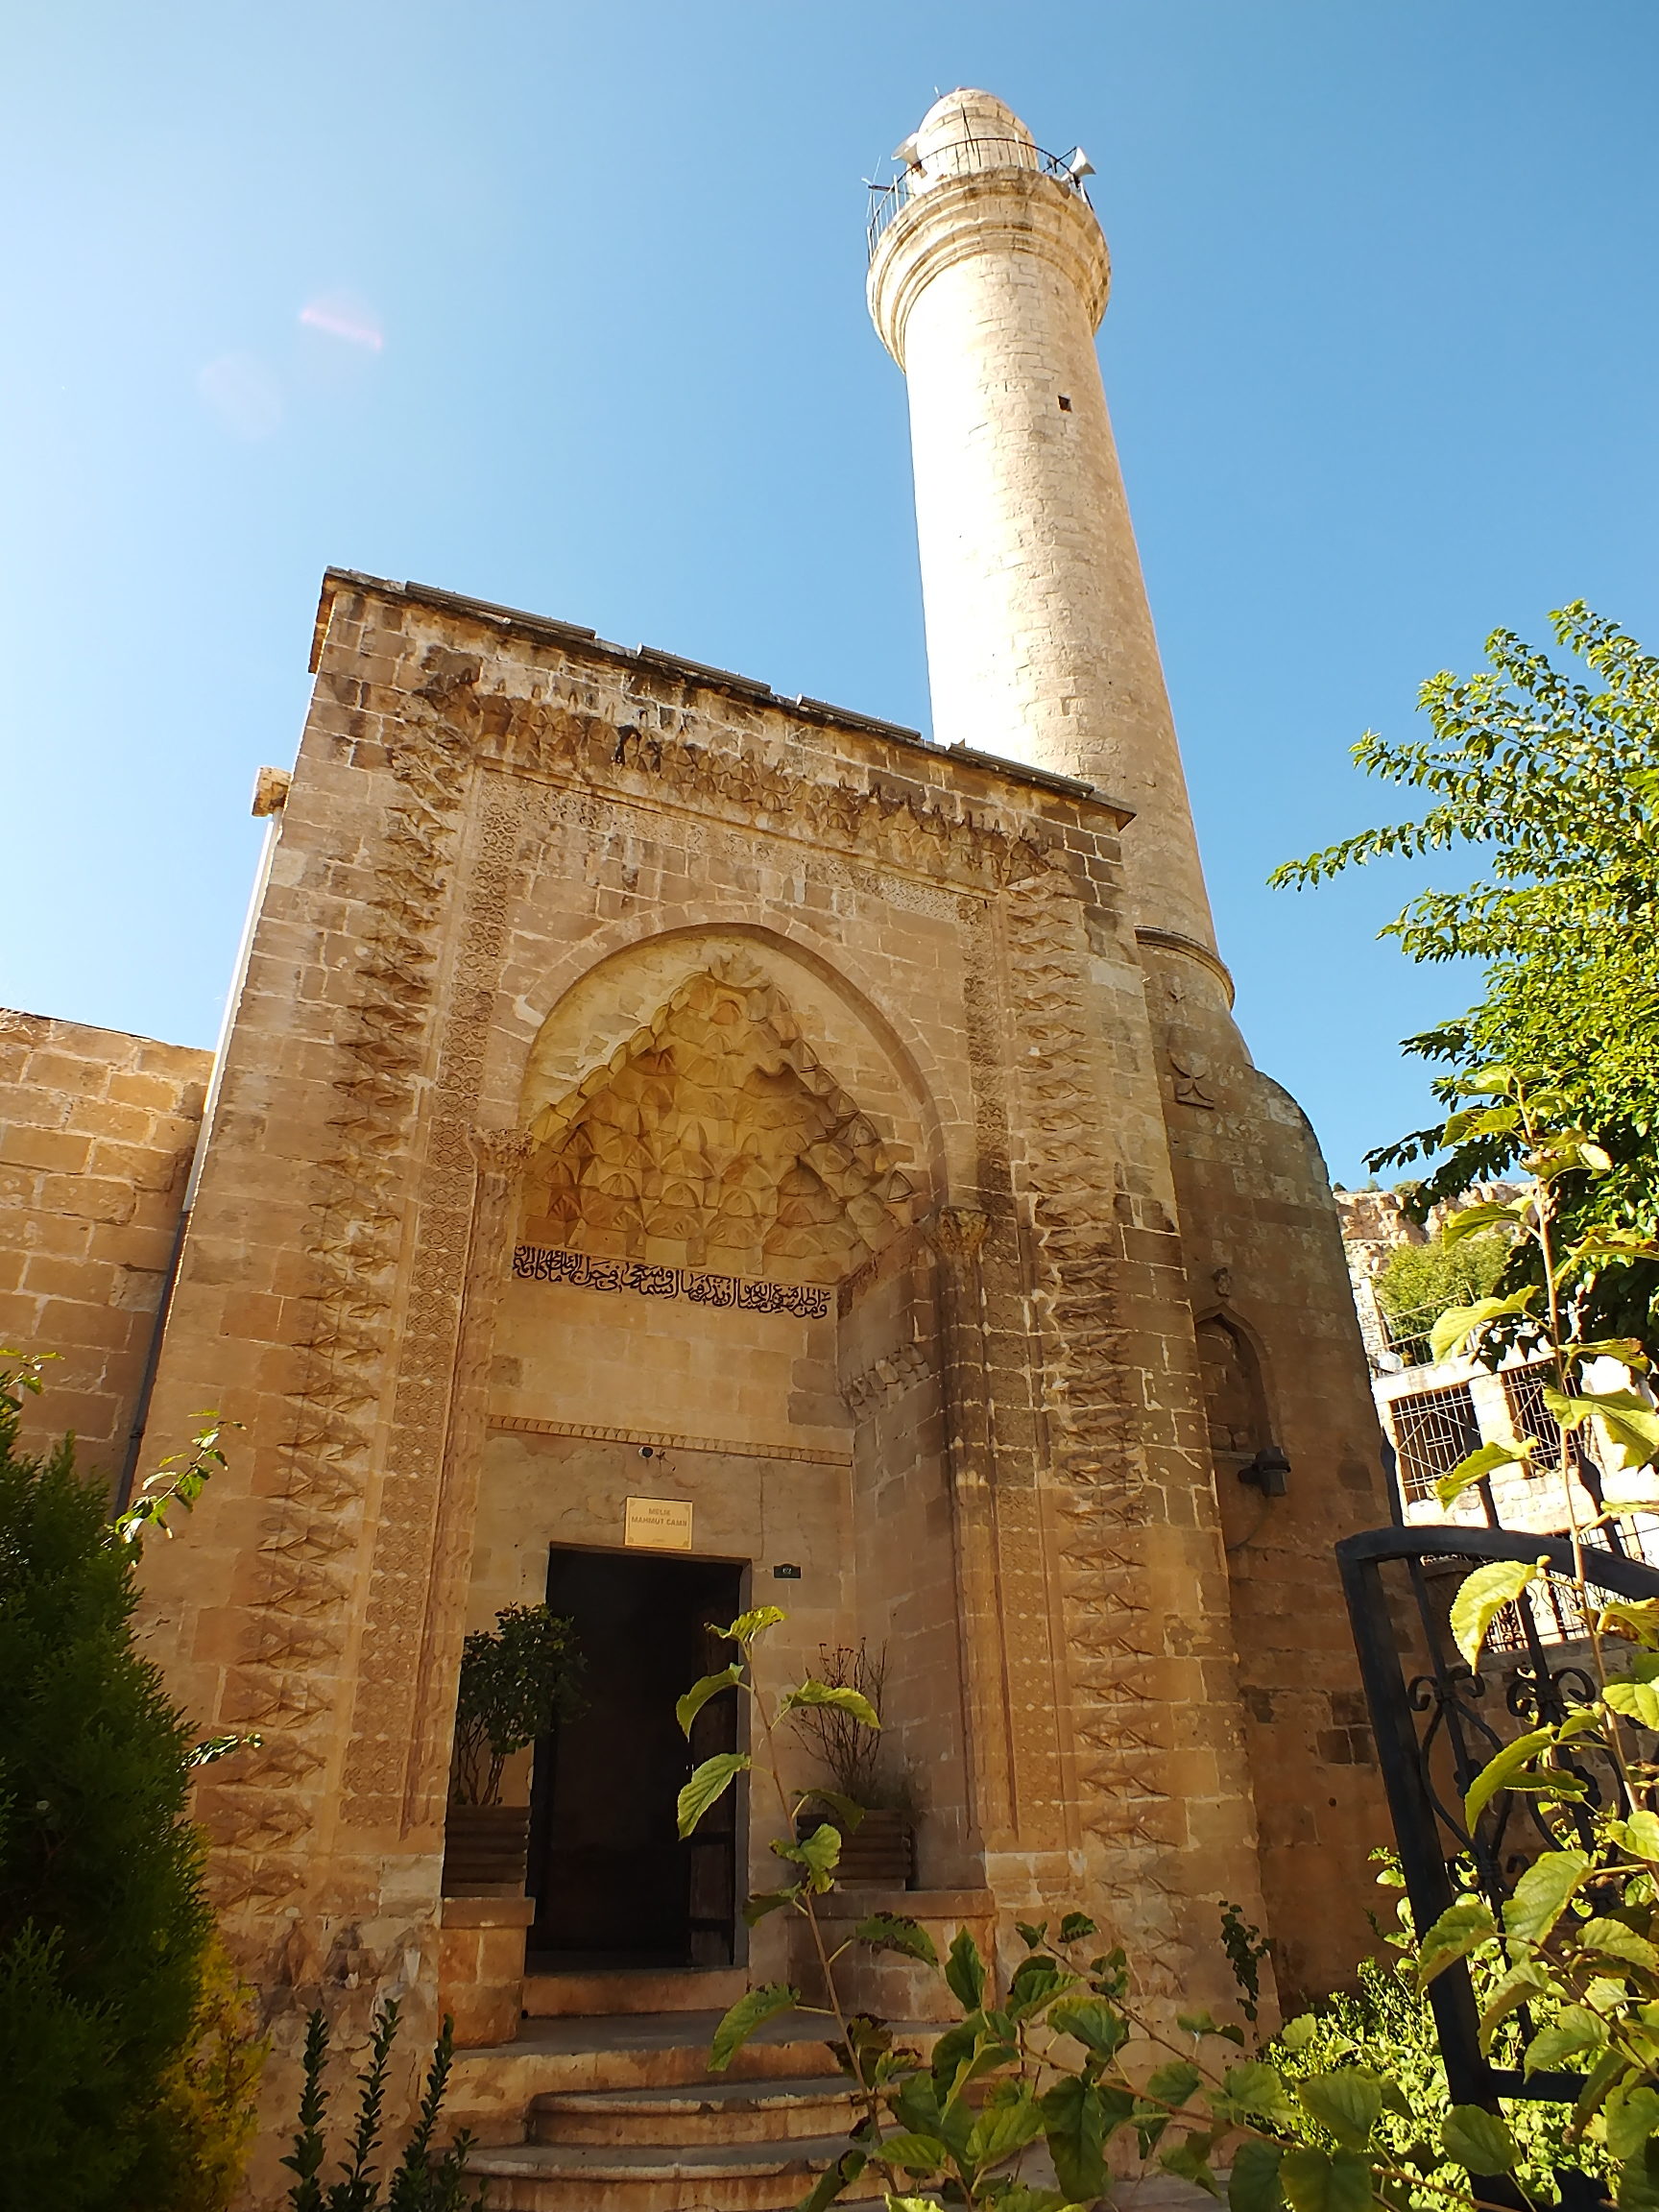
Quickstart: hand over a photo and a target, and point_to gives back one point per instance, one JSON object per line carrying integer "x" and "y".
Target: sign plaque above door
{"x": 657, "y": 1523}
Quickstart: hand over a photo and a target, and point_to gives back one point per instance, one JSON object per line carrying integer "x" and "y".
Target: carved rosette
{"x": 956, "y": 1233}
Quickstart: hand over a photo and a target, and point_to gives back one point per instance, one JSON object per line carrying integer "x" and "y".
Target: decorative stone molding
{"x": 429, "y": 1380}
{"x": 1114, "y": 1642}
{"x": 887, "y": 1378}
{"x": 287, "y": 1680}
{"x": 992, "y": 210}
{"x": 501, "y": 1156}
{"x": 668, "y": 1440}
{"x": 1172, "y": 941}
{"x": 738, "y": 785}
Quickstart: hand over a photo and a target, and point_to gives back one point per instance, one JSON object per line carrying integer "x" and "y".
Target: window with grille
{"x": 1558, "y": 1617}
{"x": 1432, "y": 1430}
{"x": 1524, "y": 1388}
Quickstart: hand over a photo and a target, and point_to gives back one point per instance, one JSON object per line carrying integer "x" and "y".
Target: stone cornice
{"x": 935, "y": 761}
{"x": 895, "y": 820}
{"x": 1172, "y": 941}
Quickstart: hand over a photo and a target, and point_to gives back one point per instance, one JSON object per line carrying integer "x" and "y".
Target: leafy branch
{"x": 1040, "y": 2061}
{"x": 1552, "y": 783}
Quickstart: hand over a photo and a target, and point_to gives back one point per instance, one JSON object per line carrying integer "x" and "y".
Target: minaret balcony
{"x": 967, "y": 156}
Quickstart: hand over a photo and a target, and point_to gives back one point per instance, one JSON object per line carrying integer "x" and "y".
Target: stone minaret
{"x": 987, "y": 284}
{"x": 987, "y": 290}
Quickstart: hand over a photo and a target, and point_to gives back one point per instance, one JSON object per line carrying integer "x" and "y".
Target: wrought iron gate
{"x": 1442, "y": 1725}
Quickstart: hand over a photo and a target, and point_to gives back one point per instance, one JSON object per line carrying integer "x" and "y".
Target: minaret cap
{"x": 979, "y": 116}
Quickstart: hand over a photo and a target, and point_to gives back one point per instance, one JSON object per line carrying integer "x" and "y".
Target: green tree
{"x": 1417, "y": 1283}
{"x": 1554, "y": 782}
{"x": 103, "y": 1922}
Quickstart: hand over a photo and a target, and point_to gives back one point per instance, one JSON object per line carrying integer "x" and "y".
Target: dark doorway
{"x": 613, "y": 1884}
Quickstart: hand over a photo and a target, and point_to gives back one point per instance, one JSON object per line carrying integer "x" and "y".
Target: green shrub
{"x": 423, "y": 2180}
{"x": 103, "y": 1916}
{"x": 515, "y": 1679}
{"x": 209, "y": 2098}
{"x": 1385, "y": 2028}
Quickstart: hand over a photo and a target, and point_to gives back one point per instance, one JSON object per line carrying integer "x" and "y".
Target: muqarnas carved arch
{"x": 718, "y": 1099}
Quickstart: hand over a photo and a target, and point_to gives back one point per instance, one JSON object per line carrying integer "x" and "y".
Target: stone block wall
{"x": 1268, "y": 1284}
{"x": 96, "y": 1131}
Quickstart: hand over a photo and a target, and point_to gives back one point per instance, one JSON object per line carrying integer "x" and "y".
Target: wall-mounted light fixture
{"x": 1267, "y": 1471}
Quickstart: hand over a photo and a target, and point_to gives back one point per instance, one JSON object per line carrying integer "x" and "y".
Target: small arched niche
{"x": 1234, "y": 1398}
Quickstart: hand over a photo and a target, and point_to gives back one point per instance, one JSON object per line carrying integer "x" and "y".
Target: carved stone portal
{"x": 717, "y": 1138}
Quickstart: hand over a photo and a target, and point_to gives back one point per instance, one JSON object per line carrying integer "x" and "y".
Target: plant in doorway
{"x": 880, "y": 1844}
{"x": 517, "y": 1679}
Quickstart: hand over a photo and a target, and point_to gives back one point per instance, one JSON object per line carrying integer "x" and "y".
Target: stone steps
{"x": 493, "y": 2089}
{"x": 710, "y": 2112}
{"x": 619, "y": 2113}
{"x": 603, "y": 1992}
{"x": 654, "y": 2178}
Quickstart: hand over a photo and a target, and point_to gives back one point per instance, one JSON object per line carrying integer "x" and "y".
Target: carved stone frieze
{"x": 589, "y": 821}
{"x": 1098, "y": 1459}
{"x": 288, "y": 1681}
{"x": 741, "y": 783}
{"x": 647, "y": 1279}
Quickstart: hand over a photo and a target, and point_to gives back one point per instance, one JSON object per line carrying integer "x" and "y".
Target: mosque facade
{"x": 677, "y": 1148}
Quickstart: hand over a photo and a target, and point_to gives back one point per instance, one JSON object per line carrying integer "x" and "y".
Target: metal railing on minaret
{"x": 960, "y": 158}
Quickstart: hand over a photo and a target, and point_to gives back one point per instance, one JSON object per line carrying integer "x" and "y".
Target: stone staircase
{"x": 603, "y": 2101}
{"x": 615, "y": 2110}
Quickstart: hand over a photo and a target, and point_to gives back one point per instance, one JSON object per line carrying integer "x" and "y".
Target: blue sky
{"x": 563, "y": 306}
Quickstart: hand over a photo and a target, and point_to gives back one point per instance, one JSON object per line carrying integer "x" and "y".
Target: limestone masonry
{"x": 646, "y": 1088}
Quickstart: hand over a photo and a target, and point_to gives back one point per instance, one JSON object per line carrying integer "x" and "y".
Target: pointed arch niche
{"x": 724, "y": 1300}
{"x": 715, "y": 1137}
{"x": 1234, "y": 1392}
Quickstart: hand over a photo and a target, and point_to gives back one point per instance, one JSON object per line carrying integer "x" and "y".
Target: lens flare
{"x": 343, "y": 315}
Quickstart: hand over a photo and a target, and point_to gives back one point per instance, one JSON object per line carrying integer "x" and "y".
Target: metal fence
{"x": 1523, "y": 1388}
{"x": 1438, "y": 1722}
